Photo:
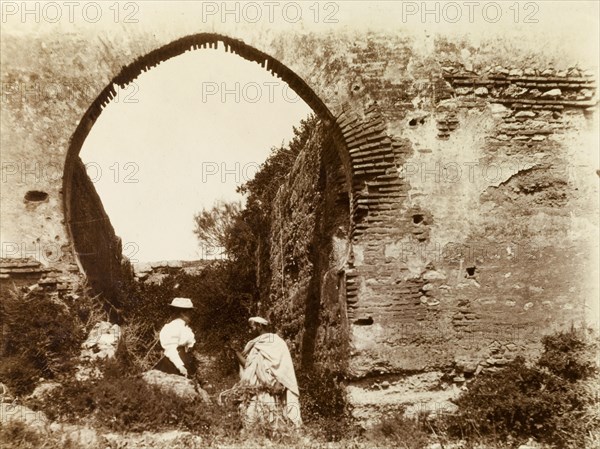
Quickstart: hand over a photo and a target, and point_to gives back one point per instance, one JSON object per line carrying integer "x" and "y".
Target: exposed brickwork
{"x": 395, "y": 108}
{"x": 375, "y": 161}
{"x": 17, "y": 268}
{"x": 26, "y": 272}
{"x": 513, "y": 87}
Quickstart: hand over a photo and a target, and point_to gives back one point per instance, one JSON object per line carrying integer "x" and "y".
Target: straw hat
{"x": 182, "y": 303}
{"x": 258, "y": 320}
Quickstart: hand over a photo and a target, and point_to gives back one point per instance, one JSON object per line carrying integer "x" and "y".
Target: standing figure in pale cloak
{"x": 266, "y": 367}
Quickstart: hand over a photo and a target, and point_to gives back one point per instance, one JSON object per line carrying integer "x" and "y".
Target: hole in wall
{"x": 364, "y": 321}
{"x": 36, "y": 196}
{"x": 100, "y": 266}
{"x": 198, "y": 153}
{"x": 471, "y": 271}
{"x": 417, "y": 121}
{"x": 418, "y": 218}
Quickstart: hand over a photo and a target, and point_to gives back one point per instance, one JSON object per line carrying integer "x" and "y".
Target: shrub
{"x": 17, "y": 435}
{"x": 20, "y": 373}
{"x": 123, "y": 403}
{"x": 550, "y": 401}
{"x": 323, "y": 403}
{"x": 134, "y": 353}
{"x": 400, "y": 431}
{"x": 40, "y": 338}
{"x": 570, "y": 354}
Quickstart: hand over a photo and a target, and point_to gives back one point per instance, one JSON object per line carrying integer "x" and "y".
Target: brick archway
{"x": 412, "y": 309}
{"x": 368, "y": 154}
{"x": 95, "y": 246}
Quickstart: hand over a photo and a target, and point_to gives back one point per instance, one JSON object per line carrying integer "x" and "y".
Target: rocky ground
{"x": 69, "y": 436}
{"x": 33, "y": 426}
{"x": 25, "y": 427}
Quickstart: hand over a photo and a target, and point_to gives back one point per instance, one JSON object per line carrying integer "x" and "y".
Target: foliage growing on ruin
{"x": 250, "y": 239}
{"x": 41, "y": 335}
{"x": 324, "y": 402}
{"x": 400, "y": 430}
{"x": 244, "y": 233}
{"x": 551, "y": 400}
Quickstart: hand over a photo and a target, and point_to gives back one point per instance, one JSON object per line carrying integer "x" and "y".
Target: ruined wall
{"x": 449, "y": 271}
{"x": 475, "y": 254}
{"x": 309, "y": 247}
{"x": 156, "y": 272}
{"x": 516, "y": 202}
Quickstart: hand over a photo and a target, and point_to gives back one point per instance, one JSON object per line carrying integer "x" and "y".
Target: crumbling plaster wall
{"x": 394, "y": 102}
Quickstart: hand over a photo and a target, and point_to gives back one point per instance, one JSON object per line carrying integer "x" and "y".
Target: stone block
{"x": 525, "y": 114}
{"x": 553, "y": 93}
{"x": 179, "y": 385}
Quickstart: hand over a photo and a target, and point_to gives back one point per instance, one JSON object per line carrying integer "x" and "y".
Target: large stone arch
{"x": 413, "y": 307}
{"x": 144, "y": 63}
{"x": 369, "y": 157}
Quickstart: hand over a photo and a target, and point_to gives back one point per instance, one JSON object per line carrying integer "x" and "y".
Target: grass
{"x": 553, "y": 400}
{"x": 16, "y": 435}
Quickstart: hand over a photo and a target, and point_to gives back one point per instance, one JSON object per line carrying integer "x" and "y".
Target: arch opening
{"x": 95, "y": 243}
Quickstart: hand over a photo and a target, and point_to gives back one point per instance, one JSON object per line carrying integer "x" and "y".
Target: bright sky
{"x": 202, "y": 124}
{"x": 181, "y": 134}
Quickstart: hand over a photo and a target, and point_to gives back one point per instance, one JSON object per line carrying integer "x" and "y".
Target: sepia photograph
{"x": 299, "y": 224}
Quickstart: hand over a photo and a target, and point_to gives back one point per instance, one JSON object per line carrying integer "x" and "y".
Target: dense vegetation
{"x": 244, "y": 233}
{"x": 41, "y": 335}
{"x": 551, "y": 400}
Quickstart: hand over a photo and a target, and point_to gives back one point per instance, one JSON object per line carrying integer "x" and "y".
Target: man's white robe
{"x": 268, "y": 361}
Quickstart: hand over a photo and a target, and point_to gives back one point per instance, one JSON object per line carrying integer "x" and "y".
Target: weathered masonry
{"x": 470, "y": 175}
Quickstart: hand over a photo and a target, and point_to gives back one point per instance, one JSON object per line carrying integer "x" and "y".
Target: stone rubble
{"x": 156, "y": 272}
{"x": 43, "y": 389}
{"x": 101, "y": 344}
{"x": 174, "y": 383}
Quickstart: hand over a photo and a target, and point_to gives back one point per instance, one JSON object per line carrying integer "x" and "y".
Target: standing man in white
{"x": 266, "y": 364}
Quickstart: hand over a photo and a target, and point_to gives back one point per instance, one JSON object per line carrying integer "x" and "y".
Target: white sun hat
{"x": 182, "y": 303}
{"x": 258, "y": 320}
